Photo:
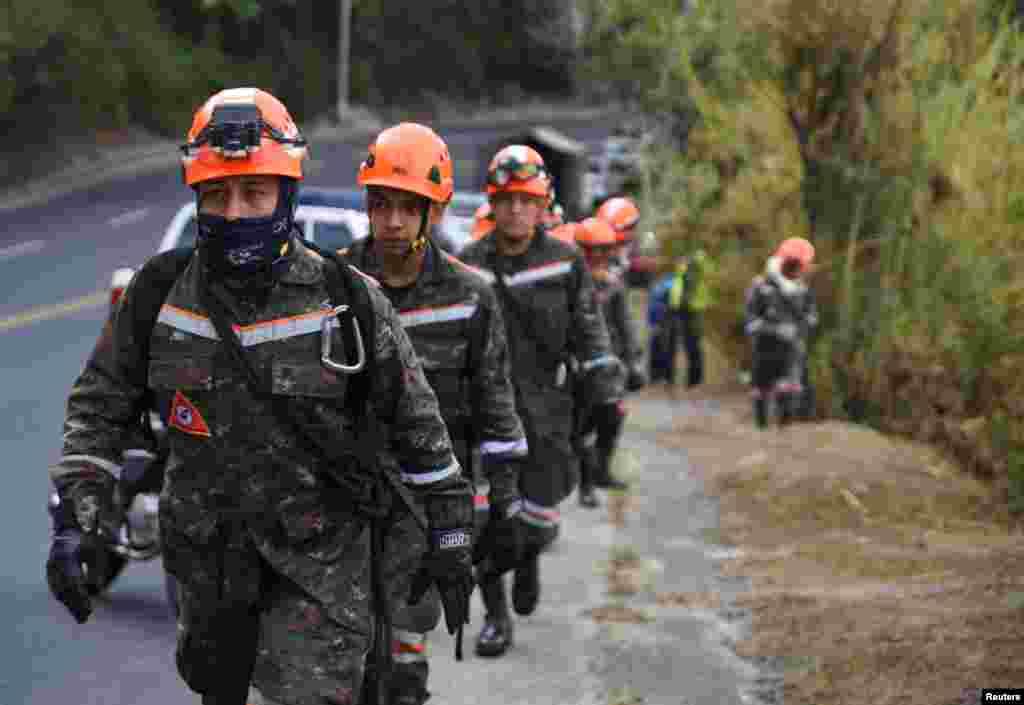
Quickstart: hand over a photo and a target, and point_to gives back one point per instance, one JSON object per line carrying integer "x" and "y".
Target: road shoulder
{"x": 879, "y": 572}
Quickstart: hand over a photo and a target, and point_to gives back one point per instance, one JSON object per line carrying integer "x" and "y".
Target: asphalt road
{"x": 55, "y": 263}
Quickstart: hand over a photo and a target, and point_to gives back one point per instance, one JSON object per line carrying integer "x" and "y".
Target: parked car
{"x": 331, "y": 218}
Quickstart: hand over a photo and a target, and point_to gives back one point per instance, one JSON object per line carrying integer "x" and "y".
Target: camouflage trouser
{"x": 306, "y": 658}
{"x": 412, "y": 624}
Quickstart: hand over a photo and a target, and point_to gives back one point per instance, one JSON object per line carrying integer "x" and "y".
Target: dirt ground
{"x": 880, "y": 573}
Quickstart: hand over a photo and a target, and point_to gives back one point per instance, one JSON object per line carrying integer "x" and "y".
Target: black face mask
{"x": 245, "y": 247}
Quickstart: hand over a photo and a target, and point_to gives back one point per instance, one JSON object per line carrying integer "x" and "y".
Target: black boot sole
{"x": 497, "y": 647}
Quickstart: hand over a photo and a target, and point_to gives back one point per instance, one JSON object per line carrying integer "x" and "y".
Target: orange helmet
{"x": 566, "y": 232}
{"x": 410, "y": 157}
{"x": 518, "y": 168}
{"x": 594, "y": 232}
{"x": 796, "y": 248}
{"x": 483, "y": 221}
{"x": 242, "y": 131}
{"x": 620, "y": 213}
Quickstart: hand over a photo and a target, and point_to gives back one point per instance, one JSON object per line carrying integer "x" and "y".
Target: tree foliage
{"x": 100, "y": 64}
{"x": 890, "y": 133}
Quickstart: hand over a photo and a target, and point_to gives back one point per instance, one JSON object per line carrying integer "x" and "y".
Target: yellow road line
{"x": 46, "y": 313}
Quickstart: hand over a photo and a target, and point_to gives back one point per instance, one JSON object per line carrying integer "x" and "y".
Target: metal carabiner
{"x": 325, "y": 344}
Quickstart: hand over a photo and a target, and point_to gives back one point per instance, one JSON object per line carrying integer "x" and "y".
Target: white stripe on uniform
{"x": 102, "y": 463}
{"x": 528, "y": 276}
{"x": 254, "y": 334}
{"x": 425, "y": 478}
{"x": 516, "y": 448}
{"x": 598, "y": 361}
{"x": 441, "y": 314}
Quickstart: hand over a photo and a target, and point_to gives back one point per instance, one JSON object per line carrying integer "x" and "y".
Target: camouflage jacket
{"x": 780, "y": 307}
{"x": 612, "y": 298}
{"x": 454, "y": 321}
{"x": 231, "y": 463}
{"x": 555, "y": 317}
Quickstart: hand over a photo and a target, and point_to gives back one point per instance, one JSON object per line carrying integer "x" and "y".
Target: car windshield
{"x": 332, "y": 236}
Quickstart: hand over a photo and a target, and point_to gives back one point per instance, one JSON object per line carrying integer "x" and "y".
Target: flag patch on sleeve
{"x": 186, "y": 417}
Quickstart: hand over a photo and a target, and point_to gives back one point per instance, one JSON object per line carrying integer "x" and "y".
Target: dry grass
{"x": 880, "y": 574}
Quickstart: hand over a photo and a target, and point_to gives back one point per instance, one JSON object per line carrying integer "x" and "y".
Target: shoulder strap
{"x": 149, "y": 290}
{"x": 344, "y": 285}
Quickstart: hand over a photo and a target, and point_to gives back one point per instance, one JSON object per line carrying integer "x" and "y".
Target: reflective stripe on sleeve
{"x": 428, "y": 476}
{"x": 102, "y": 463}
{"x": 539, "y": 515}
{"x": 481, "y": 502}
{"x": 515, "y": 448}
{"x": 598, "y": 361}
{"x": 408, "y": 647}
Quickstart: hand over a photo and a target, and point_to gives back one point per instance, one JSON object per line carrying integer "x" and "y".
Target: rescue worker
{"x": 547, "y": 300}
{"x": 622, "y": 214}
{"x": 780, "y": 315}
{"x": 602, "y": 426}
{"x": 279, "y": 477}
{"x": 676, "y": 305}
{"x": 452, "y": 317}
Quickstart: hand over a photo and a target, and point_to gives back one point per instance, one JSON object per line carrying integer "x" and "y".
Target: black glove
{"x": 500, "y": 547}
{"x": 448, "y": 562}
{"x": 636, "y": 379}
{"x": 71, "y": 555}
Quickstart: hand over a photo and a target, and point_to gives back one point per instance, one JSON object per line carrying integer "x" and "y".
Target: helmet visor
{"x": 512, "y": 168}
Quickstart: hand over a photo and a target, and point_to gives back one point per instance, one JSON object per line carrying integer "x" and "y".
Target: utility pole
{"x": 344, "y": 42}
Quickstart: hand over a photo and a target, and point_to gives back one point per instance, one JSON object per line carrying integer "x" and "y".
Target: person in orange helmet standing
{"x": 547, "y": 299}
{"x": 780, "y": 316}
{"x": 602, "y": 426}
{"x": 622, "y": 214}
{"x": 304, "y": 439}
{"x": 454, "y": 321}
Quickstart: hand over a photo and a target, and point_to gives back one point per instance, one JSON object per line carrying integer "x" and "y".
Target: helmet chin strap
{"x": 418, "y": 245}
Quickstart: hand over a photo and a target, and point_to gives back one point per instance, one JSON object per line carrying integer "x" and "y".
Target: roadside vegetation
{"x": 68, "y": 69}
{"x": 891, "y": 134}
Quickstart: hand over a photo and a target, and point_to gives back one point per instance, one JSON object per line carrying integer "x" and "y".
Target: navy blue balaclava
{"x": 242, "y": 248}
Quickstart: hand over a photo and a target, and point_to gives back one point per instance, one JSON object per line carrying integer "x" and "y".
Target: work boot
{"x": 496, "y": 635}
{"x": 526, "y": 585}
{"x": 587, "y": 497}
{"x": 761, "y": 412}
